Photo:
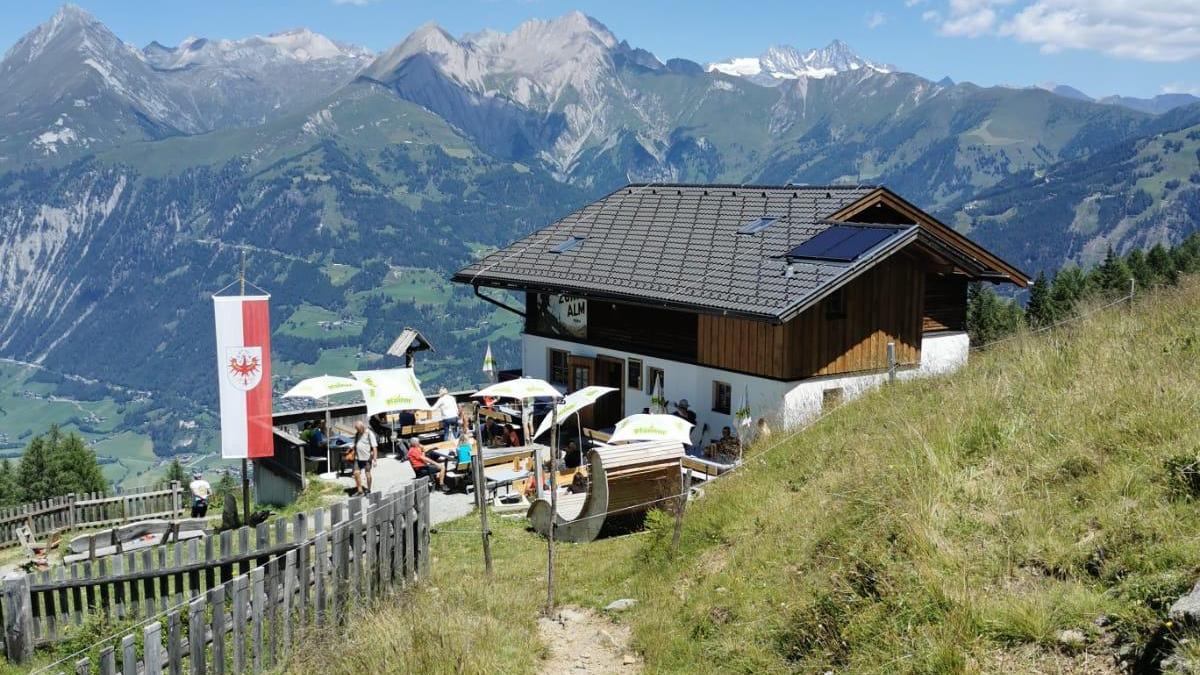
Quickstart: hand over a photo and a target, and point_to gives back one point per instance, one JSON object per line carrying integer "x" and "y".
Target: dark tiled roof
{"x": 679, "y": 245}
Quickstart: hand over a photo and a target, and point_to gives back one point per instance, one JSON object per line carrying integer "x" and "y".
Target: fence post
{"x": 685, "y": 484}
{"x": 176, "y": 503}
{"x": 18, "y": 618}
{"x": 891, "y": 362}
{"x": 71, "y": 510}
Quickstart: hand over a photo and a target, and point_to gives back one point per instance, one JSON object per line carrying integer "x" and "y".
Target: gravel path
{"x": 390, "y": 474}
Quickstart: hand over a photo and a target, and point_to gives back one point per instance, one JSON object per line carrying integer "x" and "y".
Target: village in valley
{"x": 533, "y": 352}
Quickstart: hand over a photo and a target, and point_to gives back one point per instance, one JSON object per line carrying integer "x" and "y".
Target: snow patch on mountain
{"x": 781, "y": 63}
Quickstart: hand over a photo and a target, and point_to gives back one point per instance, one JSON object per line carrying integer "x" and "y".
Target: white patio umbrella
{"x": 642, "y": 427}
{"x": 489, "y": 364}
{"x": 391, "y": 389}
{"x": 323, "y": 386}
{"x": 572, "y": 404}
{"x": 522, "y": 389}
{"x": 658, "y": 402}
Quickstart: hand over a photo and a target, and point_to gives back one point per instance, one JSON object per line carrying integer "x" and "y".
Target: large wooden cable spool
{"x": 623, "y": 480}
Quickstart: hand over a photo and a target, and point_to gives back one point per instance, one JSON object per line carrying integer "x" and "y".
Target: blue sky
{"x": 1132, "y": 47}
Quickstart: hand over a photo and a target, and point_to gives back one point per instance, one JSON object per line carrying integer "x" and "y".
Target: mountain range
{"x": 356, "y": 181}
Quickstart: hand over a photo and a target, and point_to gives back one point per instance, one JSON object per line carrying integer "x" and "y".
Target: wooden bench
{"x": 422, "y": 429}
{"x": 596, "y": 436}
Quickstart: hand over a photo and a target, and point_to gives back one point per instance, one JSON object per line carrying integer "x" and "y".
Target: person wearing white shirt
{"x": 201, "y": 491}
{"x": 447, "y": 409}
{"x": 366, "y": 453}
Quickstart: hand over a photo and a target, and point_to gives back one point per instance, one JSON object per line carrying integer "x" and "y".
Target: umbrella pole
{"x": 527, "y": 431}
{"x": 328, "y": 430}
{"x": 480, "y": 497}
{"x": 553, "y": 511}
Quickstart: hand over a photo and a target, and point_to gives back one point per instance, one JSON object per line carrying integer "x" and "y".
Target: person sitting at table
{"x": 572, "y": 456}
{"x": 513, "y": 436}
{"x": 315, "y": 443}
{"x": 379, "y": 425}
{"x": 422, "y": 465}
{"x": 493, "y": 434}
{"x": 466, "y": 448}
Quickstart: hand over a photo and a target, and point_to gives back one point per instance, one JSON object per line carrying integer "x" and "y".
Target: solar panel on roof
{"x": 756, "y": 226}
{"x": 570, "y": 244}
{"x": 842, "y": 243}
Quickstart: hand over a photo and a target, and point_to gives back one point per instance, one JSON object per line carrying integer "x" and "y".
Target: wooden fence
{"x": 249, "y": 589}
{"x": 95, "y": 509}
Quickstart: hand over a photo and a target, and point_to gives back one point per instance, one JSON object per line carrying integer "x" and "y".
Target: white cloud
{"x": 1147, "y": 30}
{"x": 966, "y": 18}
{"x": 912, "y": 3}
{"x": 876, "y": 19}
{"x": 1180, "y": 88}
{"x": 356, "y": 3}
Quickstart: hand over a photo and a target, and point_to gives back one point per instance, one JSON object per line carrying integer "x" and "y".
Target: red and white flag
{"x": 244, "y": 372}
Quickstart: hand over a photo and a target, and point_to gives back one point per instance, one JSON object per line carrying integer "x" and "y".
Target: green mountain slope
{"x": 1134, "y": 194}
{"x": 352, "y": 214}
{"x": 946, "y": 525}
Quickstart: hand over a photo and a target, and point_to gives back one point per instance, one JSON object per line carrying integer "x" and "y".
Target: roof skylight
{"x": 756, "y": 226}
{"x": 570, "y": 244}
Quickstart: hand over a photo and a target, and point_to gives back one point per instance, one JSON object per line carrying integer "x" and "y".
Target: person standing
{"x": 366, "y": 451}
{"x": 447, "y": 409}
{"x": 201, "y": 491}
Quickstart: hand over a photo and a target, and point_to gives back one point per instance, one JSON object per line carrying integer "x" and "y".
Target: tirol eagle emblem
{"x": 244, "y": 367}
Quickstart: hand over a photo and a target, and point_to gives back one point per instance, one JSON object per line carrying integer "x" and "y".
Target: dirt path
{"x": 584, "y": 641}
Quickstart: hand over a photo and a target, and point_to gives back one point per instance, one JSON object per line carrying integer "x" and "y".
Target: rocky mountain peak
{"x": 297, "y": 45}
{"x": 70, "y": 28}
{"x": 543, "y": 54}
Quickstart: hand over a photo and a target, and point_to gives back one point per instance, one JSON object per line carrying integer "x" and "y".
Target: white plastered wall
{"x": 790, "y": 403}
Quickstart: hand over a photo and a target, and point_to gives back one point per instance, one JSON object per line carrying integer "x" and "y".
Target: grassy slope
{"x": 944, "y": 525}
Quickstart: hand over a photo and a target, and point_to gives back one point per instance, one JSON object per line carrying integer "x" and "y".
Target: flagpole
{"x": 245, "y": 462}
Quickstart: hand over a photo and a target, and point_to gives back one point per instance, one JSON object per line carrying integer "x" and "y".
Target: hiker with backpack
{"x": 366, "y": 452}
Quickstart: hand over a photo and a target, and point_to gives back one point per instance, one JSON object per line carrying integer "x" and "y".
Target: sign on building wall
{"x": 564, "y": 315}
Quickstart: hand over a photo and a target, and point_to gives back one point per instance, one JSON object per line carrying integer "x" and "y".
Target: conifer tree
{"x": 1139, "y": 268}
{"x": 989, "y": 317}
{"x": 175, "y": 472}
{"x": 75, "y": 466}
{"x": 1112, "y": 276}
{"x": 10, "y": 495}
{"x": 1067, "y": 289}
{"x": 1040, "y": 311}
{"x": 1161, "y": 265}
{"x": 226, "y": 485}
{"x": 34, "y": 477}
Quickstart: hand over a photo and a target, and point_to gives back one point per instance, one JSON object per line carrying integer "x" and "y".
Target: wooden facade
{"x": 897, "y": 300}
{"x": 945, "y": 303}
{"x": 884, "y": 305}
